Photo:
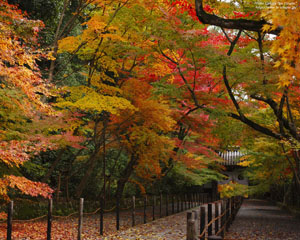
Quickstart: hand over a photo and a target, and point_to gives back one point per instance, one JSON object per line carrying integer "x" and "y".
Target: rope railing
{"x": 29, "y": 220}
{"x": 229, "y": 209}
{"x": 126, "y": 208}
{"x": 223, "y": 227}
{"x": 161, "y": 205}
{"x": 211, "y": 222}
{"x": 70, "y": 215}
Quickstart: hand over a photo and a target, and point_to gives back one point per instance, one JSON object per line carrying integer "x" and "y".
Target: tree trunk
{"x": 126, "y": 175}
{"x": 56, "y": 38}
{"x": 58, "y": 187}
{"x": 53, "y": 166}
{"x": 83, "y": 182}
{"x": 67, "y": 188}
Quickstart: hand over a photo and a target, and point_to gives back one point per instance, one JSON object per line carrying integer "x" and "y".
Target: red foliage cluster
{"x": 185, "y": 6}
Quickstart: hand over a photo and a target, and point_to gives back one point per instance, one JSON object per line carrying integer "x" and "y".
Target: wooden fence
{"x": 170, "y": 204}
{"x": 201, "y": 224}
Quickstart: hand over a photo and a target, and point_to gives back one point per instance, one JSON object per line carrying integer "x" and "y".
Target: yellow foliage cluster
{"x": 93, "y": 40}
{"x": 87, "y": 99}
{"x": 245, "y": 162}
{"x": 233, "y": 189}
{"x": 286, "y": 15}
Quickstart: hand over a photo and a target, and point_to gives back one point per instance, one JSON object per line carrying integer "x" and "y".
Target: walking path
{"x": 260, "y": 220}
{"x": 256, "y": 220}
{"x": 168, "y": 228}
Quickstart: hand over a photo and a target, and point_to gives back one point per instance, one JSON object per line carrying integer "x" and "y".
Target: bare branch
{"x": 256, "y": 126}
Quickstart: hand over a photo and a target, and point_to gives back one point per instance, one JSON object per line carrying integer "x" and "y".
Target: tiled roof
{"x": 231, "y": 157}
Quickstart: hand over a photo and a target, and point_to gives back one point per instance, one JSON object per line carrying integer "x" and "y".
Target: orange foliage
{"x": 21, "y": 87}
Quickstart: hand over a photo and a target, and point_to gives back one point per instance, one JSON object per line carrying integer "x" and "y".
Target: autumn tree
{"x": 21, "y": 104}
{"x": 101, "y": 97}
{"x": 29, "y": 124}
{"x": 266, "y": 99}
{"x": 124, "y": 46}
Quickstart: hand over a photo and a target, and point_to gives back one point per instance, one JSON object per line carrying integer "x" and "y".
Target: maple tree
{"x": 121, "y": 44}
{"x": 185, "y": 71}
{"x": 163, "y": 49}
{"x": 26, "y": 118}
{"x": 20, "y": 101}
{"x": 199, "y": 90}
{"x": 266, "y": 100}
{"x": 146, "y": 95}
{"x": 105, "y": 76}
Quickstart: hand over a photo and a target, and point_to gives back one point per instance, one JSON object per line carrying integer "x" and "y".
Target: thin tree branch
{"x": 241, "y": 24}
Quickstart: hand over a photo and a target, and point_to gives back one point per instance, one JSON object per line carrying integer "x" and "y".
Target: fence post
{"x": 101, "y": 214}
{"x": 231, "y": 211}
{"x": 209, "y": 218}
{"x": 173, "y": 211}
{"x": 181, "y": 202}
{"x": 191, "y": 233}
{"x": 223, "y": 209}
{"x": 160, "y": 205}
{"x": 167, "y": 205}
{"x": 178, "y": 203}
{"x": 118, "y": 213}
{"x": 235, "y": 205}
{"x": 10, "y": 210}
{"x": 196, "y": 218}
{"x": 216, "y": 216}
{"x": 80, "y": 220}
{"x": 145, "y": 208}
{"x": 185, "y": 202}
{"x": 153, "y": 207}
{"x": 202, "y": 221}
{"x": 227, "y": 214}
{"x": 133, "y": 211}
{"x": 209, "y": 198}
{"x": 49, "y": 222}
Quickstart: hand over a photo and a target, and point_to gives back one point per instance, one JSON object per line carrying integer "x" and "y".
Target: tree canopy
{"x": 106, "y": 98}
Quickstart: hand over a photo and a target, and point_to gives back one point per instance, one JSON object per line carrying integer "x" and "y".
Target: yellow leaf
{"x": 277, "y": 64}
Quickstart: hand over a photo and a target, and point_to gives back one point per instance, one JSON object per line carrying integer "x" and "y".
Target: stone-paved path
{"x": 260, "y": 220}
